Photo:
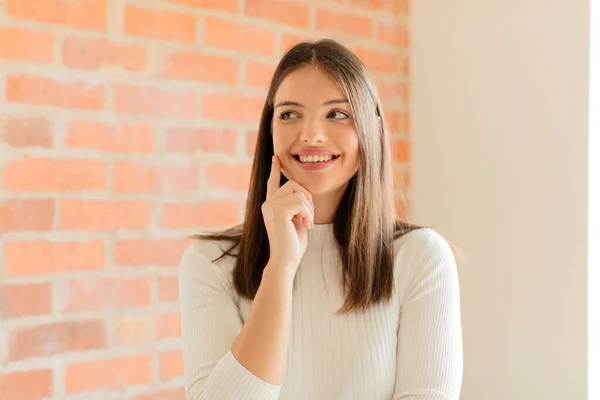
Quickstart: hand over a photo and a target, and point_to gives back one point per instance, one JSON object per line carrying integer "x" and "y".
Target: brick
{"x": 404, "y": 93}
{"x": 170, "y": 325}
{"x": 26, "y": 215}
{"x": 379, "y": 5}
{"x": 227, "y": 176}
{"x": 393, "y": 91}
{"x": 251, "y": 139}
{"x": 398, "y": 121}
{"x": 405, "y": 122}
{"x": 222, "y": 5}
{"x": 155, "y": 102}
{"x": 402, "y": 7}
{"x": 344, "y": 23}
{"x": 171, "y": 364}
{"x": 143, "y": 252}
{"x": 104, "y": 215}
{"x": 26, "y": 132}
{"x": 93, "y": 54}
{"x": 191, "y": 140}
{"x": 240, "y": 37}
{"x": 290, "y": 39}
{"x": 109, "y": 373}
{"x": 160, "y": 25}
{"x": 21, "y": 44}
{"x": 18, "y": 385}
{"x": 229, "y": 141}
{"x": 393, "y": 33}
{"x": 88, "y": 14}
{"x": 25, "y": 300}
{"x": 48, "y": 92}
{"x": 168, "y": 288}
{"x": 127, "y": 138}
{"x": 402, "y": 209}
{"x": 106, "y": 293}
{"x": 130, "y": 177}
{"x": 205, "y": 214}
{"x": 201, "y": 67}
{"x": 259, "y": 74}
{"x": 232, "y": 107}
{"x": 56, "y": 338}
{"x": 283, "y": 11}
{"x": 35, "y": 174}
{"x": 379, "y": 61}
{"x": 401, "y": 150}
{"x": 46, "y": 257}
{"x": 205, "y": 140}
{"x": 133, "y": 331}
{"x": 164, "y": 394}
{"x": 393, "y": 120}
{"x": 401, "y": 180}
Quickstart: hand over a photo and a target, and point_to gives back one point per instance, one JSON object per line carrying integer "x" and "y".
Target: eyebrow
{"x": 327, "y": 103}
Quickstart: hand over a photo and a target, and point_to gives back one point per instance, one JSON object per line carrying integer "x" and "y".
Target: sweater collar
{"x": 321, "y": 237}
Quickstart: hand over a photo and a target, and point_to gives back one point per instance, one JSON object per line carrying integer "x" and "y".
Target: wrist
{"x": 280, "y": 271}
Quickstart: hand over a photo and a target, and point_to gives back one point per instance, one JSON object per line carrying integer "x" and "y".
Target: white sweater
{"x": 409, "y": 348}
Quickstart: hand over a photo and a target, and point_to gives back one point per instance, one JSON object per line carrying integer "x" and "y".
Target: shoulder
{"x": 421, "y": 252}
{"x": 201, "y": 260}
{"x": 419, "y": 241}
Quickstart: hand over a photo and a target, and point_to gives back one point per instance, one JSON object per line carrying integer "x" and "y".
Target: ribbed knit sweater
{"x": 409, "y": 348}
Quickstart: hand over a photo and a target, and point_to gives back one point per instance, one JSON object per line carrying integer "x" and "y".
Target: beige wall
{"x": 499, "y": 165}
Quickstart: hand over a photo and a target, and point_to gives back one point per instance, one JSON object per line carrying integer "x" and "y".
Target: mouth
{"x": 315, "y": 163}
{"x": 315, "y": 159}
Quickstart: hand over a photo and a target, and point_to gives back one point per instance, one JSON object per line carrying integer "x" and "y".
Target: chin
{"x": 317, "y": 188}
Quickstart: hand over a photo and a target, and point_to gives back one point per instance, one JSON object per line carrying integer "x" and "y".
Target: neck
{"x": 326, "y": 205}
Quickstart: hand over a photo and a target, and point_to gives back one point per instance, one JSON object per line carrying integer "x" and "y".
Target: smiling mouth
{"x": 314, "y": 159}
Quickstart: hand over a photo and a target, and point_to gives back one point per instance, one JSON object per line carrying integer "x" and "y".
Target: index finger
{"x": 274, "y": 177}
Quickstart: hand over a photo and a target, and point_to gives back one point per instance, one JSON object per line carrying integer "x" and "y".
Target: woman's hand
{"x": 288, "y": 212}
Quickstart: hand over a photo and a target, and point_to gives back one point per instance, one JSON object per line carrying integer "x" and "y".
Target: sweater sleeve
{"x": 429, "y": 353}
{"x": 210, "y": 323}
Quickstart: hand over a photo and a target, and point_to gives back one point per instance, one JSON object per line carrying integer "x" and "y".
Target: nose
{"x": 312, "y": 132}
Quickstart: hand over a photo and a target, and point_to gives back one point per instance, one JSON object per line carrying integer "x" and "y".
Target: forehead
{"x": 308, "y": 85}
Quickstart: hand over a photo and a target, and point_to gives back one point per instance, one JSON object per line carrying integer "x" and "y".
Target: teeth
{"x": 306, "y": 159}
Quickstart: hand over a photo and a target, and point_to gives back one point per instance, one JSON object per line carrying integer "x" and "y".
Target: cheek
{"x": 282, "y": 139}
{"x": 351, "y": 145}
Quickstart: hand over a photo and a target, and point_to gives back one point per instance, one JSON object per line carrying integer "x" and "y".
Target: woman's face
{"x": 312, "y": 121}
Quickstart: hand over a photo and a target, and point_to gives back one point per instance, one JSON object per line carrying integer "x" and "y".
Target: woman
{"x": 321, "y": 293}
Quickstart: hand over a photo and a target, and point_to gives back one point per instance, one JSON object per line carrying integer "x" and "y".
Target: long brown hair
{"x": 365, "y": 223}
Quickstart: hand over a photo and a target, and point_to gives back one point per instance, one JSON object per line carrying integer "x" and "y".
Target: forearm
{"x": 261, "y": 346}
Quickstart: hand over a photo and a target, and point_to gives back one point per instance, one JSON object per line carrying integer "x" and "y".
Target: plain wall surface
{"x": 499, "y": 166}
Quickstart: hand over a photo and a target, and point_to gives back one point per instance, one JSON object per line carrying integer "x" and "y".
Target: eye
{"x": 336, "y": 114}
{"x": 288, "y": 115}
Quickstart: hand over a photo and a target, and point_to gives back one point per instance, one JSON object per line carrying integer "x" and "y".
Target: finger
{"x": 307, "y": 223}
{"x": 294, "y": 187}
{"x": 299, "y": 222}
{"x": 296, "y": 204}
{"x": 274, "y": 177}
{"x": 310, "y": 221}
{"x": 308, "y": 207}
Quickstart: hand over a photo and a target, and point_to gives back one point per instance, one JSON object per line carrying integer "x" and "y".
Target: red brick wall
{"x": 124, "y": 126}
